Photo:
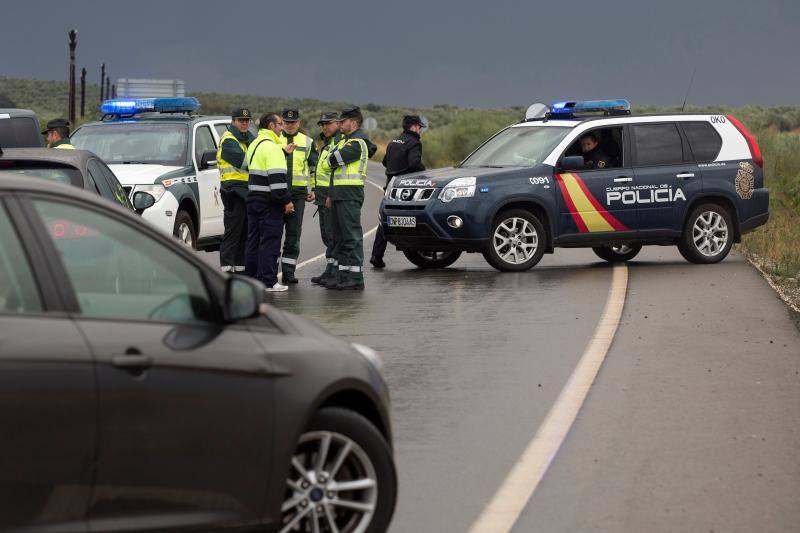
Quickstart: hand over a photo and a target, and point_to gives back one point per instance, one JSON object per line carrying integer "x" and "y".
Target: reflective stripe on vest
{"x": 355, "y": 172}
{"x": 300, "y": 164}
{"x": 263, "y": 163}
{"x": 323, "y": 172}
{"x": 228, "y": 172}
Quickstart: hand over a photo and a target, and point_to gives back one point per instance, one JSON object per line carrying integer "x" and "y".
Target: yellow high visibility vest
{"x": 322, "y": 176}
{"x": 65, "y": 147}
{"x": 228, "y": 172}
{"x": 265, "y": 157}
{"x": 355, "y": 172}
{"x": 299, "y": 158}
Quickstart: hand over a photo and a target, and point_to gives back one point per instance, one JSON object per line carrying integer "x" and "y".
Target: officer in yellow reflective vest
{"x": 320, "y": 186}
{"x": 57, "y": 132}
{"x": 232, "y": 167}
{"x": 300, "y": 162}
{"x": 268, "y": 200}
{"x": 349, "y": 161}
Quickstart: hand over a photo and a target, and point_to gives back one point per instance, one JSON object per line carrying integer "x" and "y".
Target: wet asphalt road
{"x": 692, "y": 423}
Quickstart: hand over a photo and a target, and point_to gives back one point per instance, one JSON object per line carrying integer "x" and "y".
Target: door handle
{"x": 685, "y": 175}
{"x": 134, "y": 362}
{"x": 622, "y": 179}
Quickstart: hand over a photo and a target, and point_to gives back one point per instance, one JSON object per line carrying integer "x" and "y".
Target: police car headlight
{"x": 458, "y": 188}
{"x": 156, "y": 190}
{"x": 369, "y": 354}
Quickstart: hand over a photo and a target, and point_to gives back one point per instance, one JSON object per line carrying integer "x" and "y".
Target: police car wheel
{"x": 708, "y": 235}
{"x": 617, "y": 252}
{"x": 342, "y": 476}
{"x": 184, "y": 230}
{"x": 425, "y": 259}
{"x": 516, "y": 241}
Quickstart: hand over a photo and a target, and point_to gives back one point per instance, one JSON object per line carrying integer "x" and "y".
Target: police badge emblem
{"x": 745, "y": 180}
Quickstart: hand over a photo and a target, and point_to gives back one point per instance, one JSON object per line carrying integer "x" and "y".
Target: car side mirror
{"x": 573, "y": 162}
{"x": 243, "y": 298}
{"x": 208, "y": 159}
{"x": 143, "y": 200}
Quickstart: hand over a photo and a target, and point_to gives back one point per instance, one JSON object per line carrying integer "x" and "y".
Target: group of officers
{"x": 267, "y": 179}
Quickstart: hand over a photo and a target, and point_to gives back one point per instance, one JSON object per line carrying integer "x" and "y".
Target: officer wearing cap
{"x": 403, "y": 156}
{"x": 57, "y": 132}
{"x": 268, "y": 200}
{"x": 348, "y": 160}
{"x": 320, "y": 186}
{"x": 233, "y": 189}
{"x": 301, "y": 159}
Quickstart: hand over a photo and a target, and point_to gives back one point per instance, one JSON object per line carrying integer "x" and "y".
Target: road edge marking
{"x": 513, "y": 495}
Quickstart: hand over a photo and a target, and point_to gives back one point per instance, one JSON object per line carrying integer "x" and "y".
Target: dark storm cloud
{"x": 466, "y": 52}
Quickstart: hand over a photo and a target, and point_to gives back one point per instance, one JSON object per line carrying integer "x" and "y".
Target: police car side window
{"x": 221, "y": 129}
{"x": 203, "y": 142}
{"x": 18, "y": 292}
{"x": 657, "y": 144}
{"x": 704, "y": 140}
{"x": 100, "y": 183}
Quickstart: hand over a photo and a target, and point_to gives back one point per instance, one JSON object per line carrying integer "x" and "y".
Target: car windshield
{"x": 155, "y": 144}
{"x": 61, "y": 174}
{"x": 517, "y": 147}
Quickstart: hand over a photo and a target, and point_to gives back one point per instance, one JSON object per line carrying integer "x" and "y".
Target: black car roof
{"x": 76, "y": 158}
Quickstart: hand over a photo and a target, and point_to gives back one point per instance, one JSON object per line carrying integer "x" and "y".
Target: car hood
{"x": 140, "y": 174}
{"x": 439, "y": 177}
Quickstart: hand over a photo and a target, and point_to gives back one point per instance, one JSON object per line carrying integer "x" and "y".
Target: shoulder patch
{"x": 601, "y": 164}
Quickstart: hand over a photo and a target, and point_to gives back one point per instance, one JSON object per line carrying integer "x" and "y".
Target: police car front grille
{"x": 411, "y": 195}
{"x": 405, "y": 207}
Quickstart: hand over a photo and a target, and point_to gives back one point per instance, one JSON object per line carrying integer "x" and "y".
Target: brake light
{"x": 755, "y": 151}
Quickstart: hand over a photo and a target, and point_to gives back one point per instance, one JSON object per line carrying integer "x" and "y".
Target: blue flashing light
{"x": 145, "y": 105}
{"x": 590, "y": 106}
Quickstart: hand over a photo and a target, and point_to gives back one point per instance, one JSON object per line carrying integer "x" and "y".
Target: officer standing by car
{"x": 233, "y": 178}
{"x": 268, "y": 200}
{"x": 403, "y": 156}
{"x": 57, "y": 134}
{"x": 320, "y": 186}
{"x": 593, "y": 155}
{"x": 298, "y": 163}
{"x": 349, "y": 163}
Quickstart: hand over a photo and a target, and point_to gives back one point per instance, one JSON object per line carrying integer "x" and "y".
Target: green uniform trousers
{"x": 326, "y": 228}
{"x": 348, "y": 238}
{"x": 293, "y": 228}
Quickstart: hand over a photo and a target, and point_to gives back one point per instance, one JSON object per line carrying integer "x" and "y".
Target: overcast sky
{"x": 419, "y": 53}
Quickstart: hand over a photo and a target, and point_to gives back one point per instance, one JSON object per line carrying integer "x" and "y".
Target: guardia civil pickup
{"x": 585, "y": 174}
{"x": 164, "y": 154}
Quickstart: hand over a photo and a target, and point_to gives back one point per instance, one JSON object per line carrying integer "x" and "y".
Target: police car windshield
{"x": 154, "y": 144}
{"x": 517, "y": 147}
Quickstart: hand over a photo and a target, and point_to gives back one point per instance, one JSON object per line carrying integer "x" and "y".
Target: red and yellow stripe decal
{"x": 586, "y": 211}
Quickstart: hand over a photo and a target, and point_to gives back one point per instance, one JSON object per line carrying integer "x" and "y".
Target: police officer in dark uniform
{"x": 403, "y": 156}
{"x": 593, "y": 155}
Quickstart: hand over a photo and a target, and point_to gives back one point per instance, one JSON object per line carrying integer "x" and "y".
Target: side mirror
{"x": 143, "y": 200}
{"x": 243, "y": 298}
{"x": 208, "y": 159}
{"x": 573, "y": 162}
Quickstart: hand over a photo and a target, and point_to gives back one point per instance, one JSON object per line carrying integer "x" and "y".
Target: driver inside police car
{"x": 593, "y": 155}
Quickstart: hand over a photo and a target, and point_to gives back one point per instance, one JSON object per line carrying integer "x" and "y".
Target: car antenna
{"x": 691, "y": 80}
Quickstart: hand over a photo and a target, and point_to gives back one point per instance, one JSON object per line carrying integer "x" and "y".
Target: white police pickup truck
{"x": 164, "y": 155}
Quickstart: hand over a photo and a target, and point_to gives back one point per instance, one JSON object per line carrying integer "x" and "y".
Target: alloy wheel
{"x": 185, "y": 235}
{"x": 710, "y": 233}
{"x": 515, "y": 240}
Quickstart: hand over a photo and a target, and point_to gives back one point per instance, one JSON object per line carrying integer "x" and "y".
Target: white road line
{"x": 322, "y": 255}
{"x": 513, "y": 495}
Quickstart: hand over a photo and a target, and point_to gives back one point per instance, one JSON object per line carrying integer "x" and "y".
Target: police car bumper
{"x": 162, "y": 213}
{"x": 426, "y": 227}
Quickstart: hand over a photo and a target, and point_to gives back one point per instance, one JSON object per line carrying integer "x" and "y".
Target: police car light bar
{"x": 145, "y": 105}
{"x": 591, "y": 106}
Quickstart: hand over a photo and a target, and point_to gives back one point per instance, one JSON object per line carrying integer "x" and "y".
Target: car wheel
{"x": 516, "y": 242}
{"x": 184, "y": 230}
{"x": 425, "y": 259}
{"x": 342, "y": 477}
{"x": 707, "y": 236}
{"x": 617, "y": 252}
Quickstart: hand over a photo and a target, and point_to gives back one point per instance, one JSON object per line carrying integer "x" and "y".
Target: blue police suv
{"x": 585, "y": 174}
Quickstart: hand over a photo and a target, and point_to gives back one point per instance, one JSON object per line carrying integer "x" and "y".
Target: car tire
{"x": 184, "y": 230}
{"x": 508, "y": 234}
{"x": 425, "y": 259}
{"x": 707, "y": 236}
{"x": 617, "y": 252}
{"x": 313, "y": 491}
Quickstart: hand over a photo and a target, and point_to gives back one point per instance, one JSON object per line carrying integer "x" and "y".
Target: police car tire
{"x": 686, "y": 245}
{"x": 491, "y": 255}
{"x": 357, "y": 428}
{"x": 609, "y": 254}
{"x": 419, "y": 258}
{"x": 183, "y": 218}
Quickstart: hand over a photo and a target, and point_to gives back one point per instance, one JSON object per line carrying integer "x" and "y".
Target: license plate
{"x": 403, "y": 222}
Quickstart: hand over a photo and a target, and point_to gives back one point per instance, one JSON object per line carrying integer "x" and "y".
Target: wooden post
{"x": 102, "y": 80}
{"x": 73, "y": 42}
{"x": 83, "y": 92}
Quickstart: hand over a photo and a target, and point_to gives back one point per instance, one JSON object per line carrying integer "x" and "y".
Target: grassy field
{"x": 455, "y": 132}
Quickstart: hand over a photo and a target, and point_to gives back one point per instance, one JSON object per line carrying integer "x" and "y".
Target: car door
{"x": 185, "y": 401}
{"x": 666, "y": 177}
{"x": 208, "y": 185}
{"x": 588, "y": 204}
{"x": 48, "y": 402}
{"x": 110, "y": 189}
